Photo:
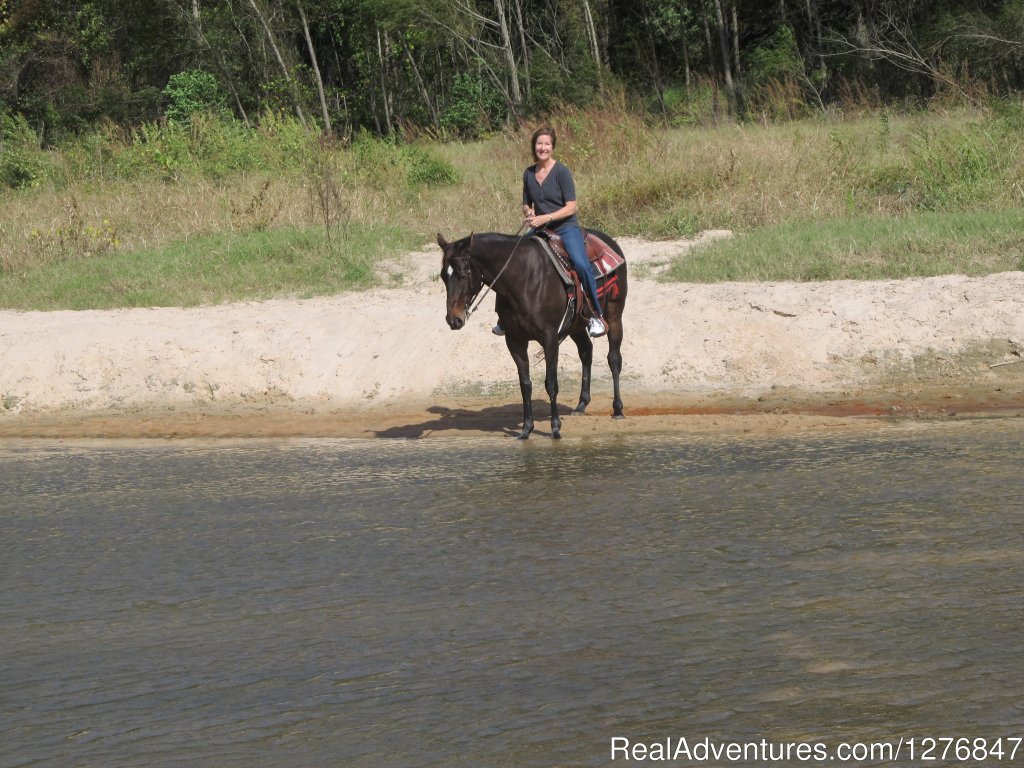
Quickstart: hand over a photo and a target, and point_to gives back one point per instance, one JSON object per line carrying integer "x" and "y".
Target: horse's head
{"x": 461, "y": 279}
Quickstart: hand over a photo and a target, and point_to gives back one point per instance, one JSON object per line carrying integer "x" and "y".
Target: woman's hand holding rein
{"x": 537, "y": 221}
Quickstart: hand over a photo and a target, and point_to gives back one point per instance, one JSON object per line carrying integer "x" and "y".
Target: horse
{"x": 531, "y": 303}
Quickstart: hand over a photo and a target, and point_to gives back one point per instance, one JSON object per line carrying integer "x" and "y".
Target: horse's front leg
{"x": 551, "y": 384}
{"x": 517, "y": 348}
{"x": 586, "y": 350}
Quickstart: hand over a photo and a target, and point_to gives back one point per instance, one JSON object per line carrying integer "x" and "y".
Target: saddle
{"x": 604, "y": 261}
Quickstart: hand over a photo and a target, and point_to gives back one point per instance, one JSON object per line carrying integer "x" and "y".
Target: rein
{"x": 476, "y": 302}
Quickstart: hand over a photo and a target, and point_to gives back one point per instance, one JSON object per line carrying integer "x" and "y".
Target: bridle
{"x": 473, "y": 307}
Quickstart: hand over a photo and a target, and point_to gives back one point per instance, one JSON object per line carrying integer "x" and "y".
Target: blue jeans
{"x": 572, "y": 238}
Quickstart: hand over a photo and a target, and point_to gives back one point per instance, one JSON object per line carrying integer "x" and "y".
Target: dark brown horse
{"x": 531, "y": 302}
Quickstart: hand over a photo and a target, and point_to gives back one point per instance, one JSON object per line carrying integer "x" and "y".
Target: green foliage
{"x": 778, "y": 58}
{"x": 385, "y": 159}
{"x": 371, "y": 155}
{"x": 426, "y": 169}
{"x": 207, "y": 145}
{"x": 191, "y": 92}
{"x": 68, "y": 65}
{"x": 93, "y": 36}
{"x": 551, "y": 87}
{"x": 950, "y": 170}
{"x": 281, "y": 140}
{"x": 703, "y": 104}
{"x": 19, "y": 170}
{"x": 473, "y": 108}
{"x": 412, "y": 67}
{"x": 22, "y": 163}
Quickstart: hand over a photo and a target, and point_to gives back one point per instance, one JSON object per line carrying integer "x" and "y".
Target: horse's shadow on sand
{"x": 506, "y": 419}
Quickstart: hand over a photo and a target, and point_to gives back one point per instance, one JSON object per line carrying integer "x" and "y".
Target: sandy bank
{"x": 385, "y": 363}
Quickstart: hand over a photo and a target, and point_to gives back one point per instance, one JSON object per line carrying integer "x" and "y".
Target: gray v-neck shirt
{"x": 558, "y": 189}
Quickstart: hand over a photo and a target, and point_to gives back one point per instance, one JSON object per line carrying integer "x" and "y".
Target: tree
{"x": 316, "y": 66}
{"x": 723, "y": 42}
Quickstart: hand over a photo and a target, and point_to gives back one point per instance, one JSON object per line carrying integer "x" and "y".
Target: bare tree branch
{"x": 891, "y": 42}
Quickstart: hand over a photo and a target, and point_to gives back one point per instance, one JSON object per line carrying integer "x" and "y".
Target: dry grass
{"x": 632, "y": 177}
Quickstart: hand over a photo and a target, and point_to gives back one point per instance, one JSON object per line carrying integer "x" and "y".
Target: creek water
{"x": 487, "y": 602}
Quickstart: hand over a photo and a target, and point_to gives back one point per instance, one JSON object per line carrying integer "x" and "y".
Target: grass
{"x": 212, "y": 269}
{"x": 170, "y": 217}
{"x": 863, "y": 248}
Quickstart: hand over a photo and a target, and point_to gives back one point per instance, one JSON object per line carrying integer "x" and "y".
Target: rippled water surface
{"x": 483, "y": 602}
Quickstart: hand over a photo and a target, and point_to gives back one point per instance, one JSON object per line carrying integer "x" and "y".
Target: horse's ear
{"x": 441, "y": 241}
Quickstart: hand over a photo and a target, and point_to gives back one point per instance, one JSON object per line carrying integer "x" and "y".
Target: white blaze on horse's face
{"x": 458, "y": 278}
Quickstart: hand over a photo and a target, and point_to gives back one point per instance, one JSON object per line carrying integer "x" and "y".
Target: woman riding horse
{"x": 532, "y": 305}
{"x": 549, "y": 200}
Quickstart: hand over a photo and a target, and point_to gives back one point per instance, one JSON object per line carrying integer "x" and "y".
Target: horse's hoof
{"x": 556, "y": 435}
{"x": 618, "y": 416}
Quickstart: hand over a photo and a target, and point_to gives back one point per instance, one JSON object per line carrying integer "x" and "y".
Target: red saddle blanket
{"x": 603, "y": 259}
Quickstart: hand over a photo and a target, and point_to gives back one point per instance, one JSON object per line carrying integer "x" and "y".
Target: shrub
{"x": 22, "y": 163}
{"x": 953, "y": 169}
{"x": 374, "y": 159}
{"x": 190, "y": 92}
{"x": 425, "y": 169}
{"x": 474, "y": 108}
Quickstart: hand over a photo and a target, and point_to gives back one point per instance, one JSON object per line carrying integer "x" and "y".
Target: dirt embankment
{"x": 384, "y": 363}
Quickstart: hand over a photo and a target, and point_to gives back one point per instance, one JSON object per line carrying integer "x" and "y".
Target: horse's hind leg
{"x": 517, "y": 348}
{"x": 586, "y": 350}
{"x": 615, "y": 363}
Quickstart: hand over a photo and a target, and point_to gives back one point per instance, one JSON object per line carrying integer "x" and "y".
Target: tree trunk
{"x": 523, "y": 47}
{"x": 595, "y": 48}
{"x": 735, "y": 39}
{"x": 510, "y": 57}
{"x": 655, "y": 69}
{"x": 730, "y": 88}
{"x": 707, "y": 40}
{"x": 686, "y": 46}
{"x": 423, "y": 88}
{"x": 316, "y": 69}
{"x": 238, "y": 100}
{"x": 814, "y": 23}
{"x": 280, "y": 60}
{"x": 383, "y": 83}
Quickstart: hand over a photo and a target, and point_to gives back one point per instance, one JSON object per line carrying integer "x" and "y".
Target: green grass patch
{"x": 863, "y": 248}
{"x": 220, "y": 268}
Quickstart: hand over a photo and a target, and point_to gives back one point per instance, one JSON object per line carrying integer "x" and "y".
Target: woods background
{"x": 456, "y": 68}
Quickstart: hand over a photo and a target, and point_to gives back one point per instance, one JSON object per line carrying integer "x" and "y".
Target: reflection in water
{"x": 485, "y": 602}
